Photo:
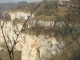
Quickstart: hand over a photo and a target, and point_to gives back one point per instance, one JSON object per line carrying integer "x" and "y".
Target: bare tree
{"x": 11, "y": 51}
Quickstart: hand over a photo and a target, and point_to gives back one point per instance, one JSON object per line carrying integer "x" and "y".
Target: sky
{"x": 2, "y": 1}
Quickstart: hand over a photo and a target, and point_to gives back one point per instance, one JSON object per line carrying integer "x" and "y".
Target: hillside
{"x": 4, "y": 7}
{"x": 53, "y": 33}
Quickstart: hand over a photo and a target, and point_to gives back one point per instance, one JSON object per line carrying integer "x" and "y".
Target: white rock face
{"x": 44, "y": 23}
{"x": 21, "y": 40}
{"x": 2, "y": 49}
{"x": 1, "y": 37}
{"x": 40, "y": 48}
{"x": 8, "y": 30}
{"x": 62, "y": 2}
{"x": 33, "y": 47}
{"x": 20, "y": 15}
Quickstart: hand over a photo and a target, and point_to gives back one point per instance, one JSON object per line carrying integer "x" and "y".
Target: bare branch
{"x": 9, "y": 40}
{"x": 6, "y": 41}
{"x": 11, "y": 51}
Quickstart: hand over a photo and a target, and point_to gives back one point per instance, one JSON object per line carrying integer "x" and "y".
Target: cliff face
{"x": 20, "y": 15}
{"x": 40, "y": 47}
{"x": 45, "y": 24}
{"x": 8, "y": 30}
{"x": 33, "y": 47}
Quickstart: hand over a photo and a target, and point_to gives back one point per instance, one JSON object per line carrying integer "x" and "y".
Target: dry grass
{"x": 18, "y": 21}
{"x": 43, "y": 17}
{"x": 39, "y": 31}
{"x": 71, "y": 51}
{"x": 61, "y": 11}
{"x": 21, "y": 8}
{"x": 4, "y": 55}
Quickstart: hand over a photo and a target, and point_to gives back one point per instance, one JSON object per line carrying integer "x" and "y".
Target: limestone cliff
{"x": 40, "y": 48}
{"x": 20, "y": 15}
{"x": 33, "y": 47}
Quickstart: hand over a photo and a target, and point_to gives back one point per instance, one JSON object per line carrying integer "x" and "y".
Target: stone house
{"x": 64, "y": 2}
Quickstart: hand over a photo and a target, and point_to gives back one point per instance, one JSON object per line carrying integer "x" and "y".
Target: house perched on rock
{"x": 64, "y": 2}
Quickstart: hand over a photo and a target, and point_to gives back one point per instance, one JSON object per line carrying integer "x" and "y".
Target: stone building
{"x": 64, "y": 2}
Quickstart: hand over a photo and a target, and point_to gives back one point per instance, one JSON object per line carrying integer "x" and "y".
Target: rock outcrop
{"x": 45, "y": 24}
{"x": 2, "y": 49}
{"x": 33, "y": 47}
{"x": 20, "y": 15}
{"x": 40, "y": 48}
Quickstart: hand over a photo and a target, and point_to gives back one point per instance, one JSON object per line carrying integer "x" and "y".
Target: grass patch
{"x": 18, "y": 21}
{"x": 4, "y": 55}
{"x": 39, "y": 31}
{"x": 43, "y": 17}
